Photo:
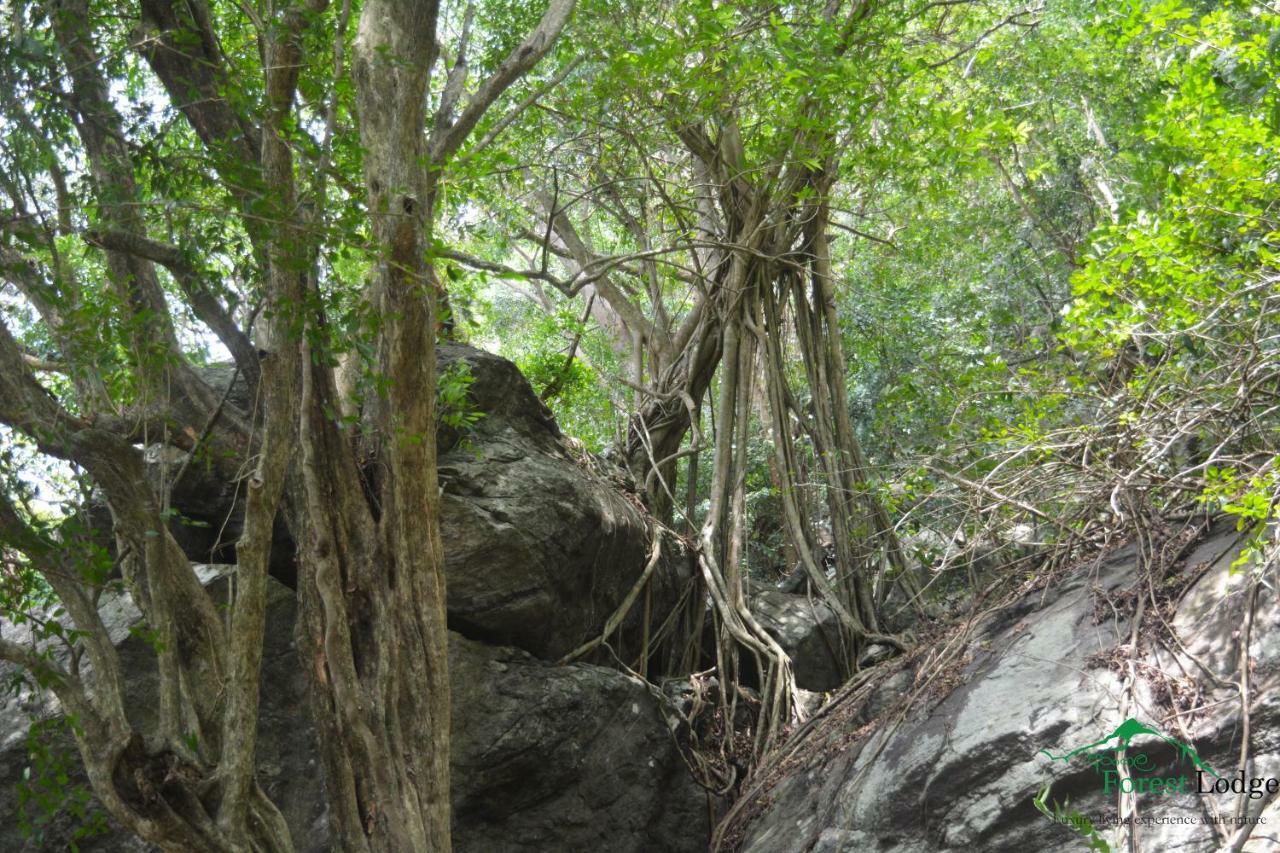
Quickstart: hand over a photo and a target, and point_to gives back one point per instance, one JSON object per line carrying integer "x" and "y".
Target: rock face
{"x": 808, "y": 631}
{"x": 540, "y": 548}
{"x": 959, "y": 772}
{"x": 564, "y": 758}
{"x": 573, "y": 758}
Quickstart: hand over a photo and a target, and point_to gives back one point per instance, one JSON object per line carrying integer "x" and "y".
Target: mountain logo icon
{"x": 1126, "y": 732}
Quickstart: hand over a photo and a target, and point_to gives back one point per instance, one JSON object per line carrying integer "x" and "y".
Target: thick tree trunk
{"x": 372, "y": 581}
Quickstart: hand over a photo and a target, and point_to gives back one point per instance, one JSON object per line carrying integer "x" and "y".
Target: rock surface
{"x": 564, "y": 758}
{"x": 961, "y": 770}
{"x": 540, "y": 547}
{"x": 572, "y": 758}
{"x": 808, "y": 631}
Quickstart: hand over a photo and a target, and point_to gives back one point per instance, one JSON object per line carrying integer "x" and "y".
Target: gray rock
{"x": 808, "y": 631}
{"x": 874, "y": 654}
{"x": 960, "y": 771}
{"x": 540, "y": 547}
{"x": 564, "y": 758}
{"x": 572, "y": 758}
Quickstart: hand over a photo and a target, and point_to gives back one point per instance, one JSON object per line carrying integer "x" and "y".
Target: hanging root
{"x": 778, "y": 697}
{"x": 614, "y": 622}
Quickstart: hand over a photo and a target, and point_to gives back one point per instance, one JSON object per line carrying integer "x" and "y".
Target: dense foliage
{"x": 905, "y": 296}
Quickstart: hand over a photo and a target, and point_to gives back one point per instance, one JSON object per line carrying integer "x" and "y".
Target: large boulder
{"x": 953, "y": 761}
{"x": 565, "y": 758}
{"x": 808, "y": 631}
{"x": 545, "y": 757}
{"x": 541, "y": 544}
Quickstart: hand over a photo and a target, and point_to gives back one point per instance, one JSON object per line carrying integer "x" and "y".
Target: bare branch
{"x": 516, "y": 111}
{"x": 457, "y": 77}
{"x": 446, "y": 141}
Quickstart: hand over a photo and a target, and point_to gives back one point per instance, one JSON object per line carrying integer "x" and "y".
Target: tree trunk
{"x": 371, "y": 579}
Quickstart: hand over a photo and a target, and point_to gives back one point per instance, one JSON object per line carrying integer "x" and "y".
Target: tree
{"x": 702, "y": 225}
{"x": 253, "y": 150}
{"x": 880, "y": 262}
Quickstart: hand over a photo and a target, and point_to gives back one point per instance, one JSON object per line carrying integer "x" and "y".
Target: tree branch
{"x": 192, "y": 282}
{"x": 516, "y": 111}
{"x": 445, "y": 141}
